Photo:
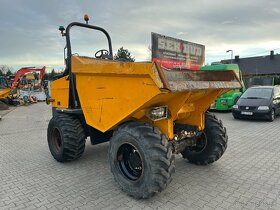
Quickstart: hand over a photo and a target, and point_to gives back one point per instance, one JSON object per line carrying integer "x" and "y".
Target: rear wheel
{"x": 141, "y": 159}
{"x": 211, "y": 144}
{"x": 66, "y": 137}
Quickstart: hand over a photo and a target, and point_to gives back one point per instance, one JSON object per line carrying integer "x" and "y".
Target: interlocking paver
{"x": 246, "y": 177}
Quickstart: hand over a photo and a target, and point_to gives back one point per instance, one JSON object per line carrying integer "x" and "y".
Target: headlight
{"x": 157, "y": 113}
{"x": 263, "y": 108}
{"x": 235, "y": 106}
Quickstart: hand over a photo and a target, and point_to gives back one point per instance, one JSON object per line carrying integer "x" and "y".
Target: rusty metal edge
{"x": 162, "y": 76}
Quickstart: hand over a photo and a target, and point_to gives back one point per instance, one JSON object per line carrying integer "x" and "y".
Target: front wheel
{"x": 141, "y": 159}
{"x": 66, "y": 138}
{"x": 211, "y": 144}
{"x": 235, "y": 116}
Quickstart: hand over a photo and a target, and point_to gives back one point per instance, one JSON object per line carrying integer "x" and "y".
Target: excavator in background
{"x": 25, "y": 85}
{"x": 20, "y": 85}
{"x": 21, "y": 72}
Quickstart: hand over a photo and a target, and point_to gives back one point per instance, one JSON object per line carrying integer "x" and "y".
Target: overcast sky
{"x": 29, "y": 33}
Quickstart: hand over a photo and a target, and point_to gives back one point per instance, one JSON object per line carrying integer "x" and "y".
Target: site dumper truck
{"x": 147, "y": 113}
{"x": 4, "y": 88}
{"x": 228, "y": 99}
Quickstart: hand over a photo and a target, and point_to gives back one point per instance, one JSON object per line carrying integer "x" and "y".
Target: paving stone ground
{"x": 246, "y": 177}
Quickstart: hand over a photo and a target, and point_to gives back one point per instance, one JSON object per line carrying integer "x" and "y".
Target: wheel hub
{"x": 201, "y": 143}
{"x": 130, "y": 162}
{"x": 56, "y": 137}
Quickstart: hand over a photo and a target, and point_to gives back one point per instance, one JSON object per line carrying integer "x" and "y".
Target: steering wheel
{"x": 102, "y": 54}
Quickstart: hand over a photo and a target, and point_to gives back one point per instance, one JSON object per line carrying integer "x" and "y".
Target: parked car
{"x": 258, "y": 102}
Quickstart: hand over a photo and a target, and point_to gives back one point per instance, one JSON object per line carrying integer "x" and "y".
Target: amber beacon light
{"x": 86, "y": 18}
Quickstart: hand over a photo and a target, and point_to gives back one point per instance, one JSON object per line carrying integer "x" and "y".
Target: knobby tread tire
{"x": 72, "y": 137}
{"x": 216, "y": 142}
{"x": 157, "y": 157}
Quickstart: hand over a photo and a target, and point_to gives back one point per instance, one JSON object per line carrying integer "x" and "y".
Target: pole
{"x": 231, "y": 56}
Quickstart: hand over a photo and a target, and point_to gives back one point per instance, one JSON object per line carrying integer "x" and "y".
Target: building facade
{"x": 260, "y": 70}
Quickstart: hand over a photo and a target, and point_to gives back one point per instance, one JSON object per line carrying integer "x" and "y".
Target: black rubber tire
{"x": 72, "y": 137}
{"x": 156, "y": 155}
{"x": 271, "y": 115}
{"x": 216, "y": 143}
{"x": 235, "y": 117}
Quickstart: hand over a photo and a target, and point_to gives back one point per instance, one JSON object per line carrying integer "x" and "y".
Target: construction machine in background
{"x": 25, "y": 71}
{"x": 148, "y": 113}
{"x": 25, "y": 85}
{"x": 4, "y": 88}
{"x": 228, "y": 99}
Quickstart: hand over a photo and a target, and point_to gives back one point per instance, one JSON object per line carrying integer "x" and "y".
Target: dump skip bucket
{"x": 179, "y": 81}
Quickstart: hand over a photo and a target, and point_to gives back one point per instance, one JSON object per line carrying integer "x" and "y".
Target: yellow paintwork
{"x": 112, "y": 92}
{"x": 60, "y": 92}
{"x": 30, "y": 76}
{"x": 4, "y": 93}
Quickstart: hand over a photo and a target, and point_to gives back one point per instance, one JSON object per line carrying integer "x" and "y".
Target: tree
{"x": 5, "y": 70}
{"x": 9, "y": 73}
{"x": 277, "y": 80}
{"x": 53, "y": 73}
{"x": 123, "y": 55}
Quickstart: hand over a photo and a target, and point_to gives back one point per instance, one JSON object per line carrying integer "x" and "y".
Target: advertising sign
{"x": 175, "y": 53}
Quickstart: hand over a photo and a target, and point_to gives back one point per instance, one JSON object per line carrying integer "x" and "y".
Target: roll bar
{"x": 74, "y": 100}
{"x": 68, "y": 42}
